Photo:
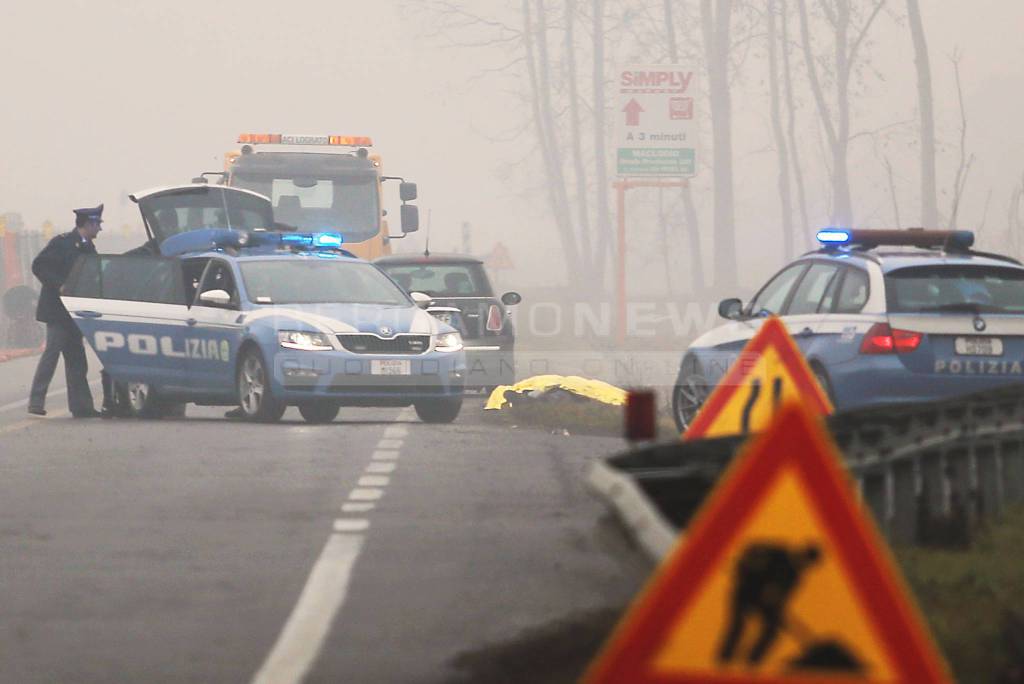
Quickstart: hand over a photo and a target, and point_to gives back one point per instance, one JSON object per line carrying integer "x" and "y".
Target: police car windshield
{"x": 342, "y": 203}
{"x": 325, "y": 281}
{"x": 951, "y": 288}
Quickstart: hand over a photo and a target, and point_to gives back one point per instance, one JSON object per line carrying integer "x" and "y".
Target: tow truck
{"x": 322, "y": 183}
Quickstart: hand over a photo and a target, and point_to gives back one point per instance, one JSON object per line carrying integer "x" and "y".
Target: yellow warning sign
{"x": 780, "y": 579}
{"x": 769, "y": 372}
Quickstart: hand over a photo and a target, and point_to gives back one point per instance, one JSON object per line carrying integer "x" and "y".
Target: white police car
{"x": 882, "y": 317}
{"x": 261, "y": 320}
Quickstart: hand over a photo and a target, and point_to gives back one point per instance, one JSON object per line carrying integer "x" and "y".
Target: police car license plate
{"x": 390, "y": 367}
{"x": 979, "y": 346}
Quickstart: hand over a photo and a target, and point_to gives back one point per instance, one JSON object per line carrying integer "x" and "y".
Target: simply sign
{"x": 781, "y": 578}
{"x": 656, "y": 134}
{"x": 769, "y": 372}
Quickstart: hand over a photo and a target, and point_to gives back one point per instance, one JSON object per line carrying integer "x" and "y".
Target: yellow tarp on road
{"x": 589, "y": 389}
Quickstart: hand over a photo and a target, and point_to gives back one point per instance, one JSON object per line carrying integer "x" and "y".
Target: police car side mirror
{"x": 215, "y": 298}
{"x": 422, "y": 300}
{"x": 511, "y": 298}
{"x": 731, "y": 309}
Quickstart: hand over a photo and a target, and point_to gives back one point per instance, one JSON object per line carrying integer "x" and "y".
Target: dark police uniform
{"x": 63, "y": 337}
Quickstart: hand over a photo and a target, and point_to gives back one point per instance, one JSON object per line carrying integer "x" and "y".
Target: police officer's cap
{"x": 89, "y": 214}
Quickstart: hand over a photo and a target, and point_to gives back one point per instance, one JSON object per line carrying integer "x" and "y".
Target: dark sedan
{"x": 461, "y": 295}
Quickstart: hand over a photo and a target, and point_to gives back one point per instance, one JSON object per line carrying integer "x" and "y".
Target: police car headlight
{"x": 448, "y": 342}
{"x": 304, "y": 341}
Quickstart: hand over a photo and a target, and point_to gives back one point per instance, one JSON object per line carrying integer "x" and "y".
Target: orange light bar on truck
{"x": 292, "y": 139}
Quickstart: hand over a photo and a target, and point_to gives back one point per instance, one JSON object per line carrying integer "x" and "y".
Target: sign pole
{"x": 620, "y": 262}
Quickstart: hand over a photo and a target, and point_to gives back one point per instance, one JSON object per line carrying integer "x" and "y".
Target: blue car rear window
{"x": 952, "y": 288}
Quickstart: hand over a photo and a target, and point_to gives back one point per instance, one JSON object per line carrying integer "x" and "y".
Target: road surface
{"x": 374, "y": 549}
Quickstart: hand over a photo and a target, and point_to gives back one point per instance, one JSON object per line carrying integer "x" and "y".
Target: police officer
{"x": 52, "y": 267}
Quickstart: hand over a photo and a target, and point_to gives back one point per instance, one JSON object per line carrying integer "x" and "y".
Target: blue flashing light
{"x": 328, "y": 240}
{"x": 834, "y": 236}
{"x": 296, "y": 239}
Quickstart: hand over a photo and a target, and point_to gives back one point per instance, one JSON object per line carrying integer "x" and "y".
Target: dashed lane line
{"x": 351, "y": 525}
{"x": 303, "y": 635}
{"x": 365, "y": 494}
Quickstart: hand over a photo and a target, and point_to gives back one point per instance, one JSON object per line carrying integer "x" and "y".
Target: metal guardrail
{"x": 928, "y": 472}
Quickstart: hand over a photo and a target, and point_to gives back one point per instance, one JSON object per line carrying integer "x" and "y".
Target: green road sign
{"x": 656, "y": 161}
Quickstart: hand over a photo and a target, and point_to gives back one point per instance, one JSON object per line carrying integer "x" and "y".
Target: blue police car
{"x": 882, "y": 317}
{"x": 258, "y": 319}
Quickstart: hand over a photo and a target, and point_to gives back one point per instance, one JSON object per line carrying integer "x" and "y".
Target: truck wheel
{"x": 438, "y": 410}
{"x": 254, "y": 394}
{"x": 320, "y": 411}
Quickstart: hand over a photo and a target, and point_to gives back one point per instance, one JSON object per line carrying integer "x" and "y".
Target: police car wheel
{"x": 319, "y": 412}
{"x": 689, "y": 396}
{"x": 254, "y": 390}
{"x": 438, "y": 410}
{"x": 822, "y": 377}
{"x": 143, "y": 402}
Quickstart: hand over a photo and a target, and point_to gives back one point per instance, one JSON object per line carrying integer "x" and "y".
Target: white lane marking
{"x": 384, "y": 455}
{"x": 381, "y": 468}
{"x": 357, "y": 507}
{"x": 374, "y": 481}
{"x": 351, "y": 525}
{"x": 396, "y": 432}
{"x": 389, "y": 444}
{"x": 367, "y": 494}
{"x": 303, "y": 635}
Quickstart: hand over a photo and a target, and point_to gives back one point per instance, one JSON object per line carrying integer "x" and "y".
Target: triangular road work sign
{"x": 781, "y": 578}
{"x": 499, "y": 259}
{"x": 769, "y": 372}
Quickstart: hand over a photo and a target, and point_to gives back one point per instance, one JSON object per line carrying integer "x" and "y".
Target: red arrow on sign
{"x": 633, "y": 110}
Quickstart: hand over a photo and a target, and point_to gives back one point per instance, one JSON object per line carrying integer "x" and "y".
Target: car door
{"x": 215, "y": 332}
{"x": 729, "y": 340}
{"x": 803, "y": 315}
{"x": 132, "y": 310}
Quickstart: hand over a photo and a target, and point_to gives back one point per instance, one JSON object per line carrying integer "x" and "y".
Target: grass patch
{"x": 966, "y": 596}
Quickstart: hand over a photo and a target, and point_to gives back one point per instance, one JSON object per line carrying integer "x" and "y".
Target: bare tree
{"x": 781, "y": 143}
{"x": 847, "y": 39}
{"x": 798, "y": 172}
{"x": 600, "y": 128}
{"x": 689, "y": 208}
{"x": 963, "y": 169}
{"x": 929, "y": 202}
{"x": 583, "y": 213}
{"x": 716, "y": 23}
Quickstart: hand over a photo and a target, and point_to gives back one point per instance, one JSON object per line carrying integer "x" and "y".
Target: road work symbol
{"x": 633, "y": 111}
{"x": 765, "y": 579}
{"x": 741, "y": 403}
{"x": 780, "y": 578}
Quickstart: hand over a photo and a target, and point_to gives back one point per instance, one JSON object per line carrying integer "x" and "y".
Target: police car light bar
{"x": 912, "y": 237}
{"x": 320, "y": 240}
{"x": 290, "y": 139}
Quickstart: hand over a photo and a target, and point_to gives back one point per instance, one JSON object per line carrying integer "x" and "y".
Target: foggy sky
{"x": 103, "y": 98}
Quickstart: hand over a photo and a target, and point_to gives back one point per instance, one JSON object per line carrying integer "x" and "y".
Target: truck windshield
{"x": 952, "y": 288}
{"x": 345, "y": 203}
{"x": 327, "y": 281}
